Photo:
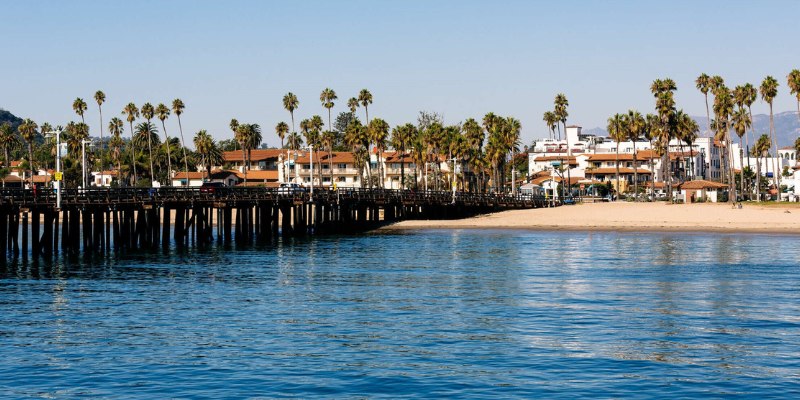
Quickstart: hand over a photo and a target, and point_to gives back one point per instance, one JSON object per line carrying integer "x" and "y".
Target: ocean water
{"x": 453, "y": 314}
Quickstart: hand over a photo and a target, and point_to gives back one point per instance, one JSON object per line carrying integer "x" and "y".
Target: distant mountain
{"x": 787, "y": 127}
{"x": 6, "y": 116}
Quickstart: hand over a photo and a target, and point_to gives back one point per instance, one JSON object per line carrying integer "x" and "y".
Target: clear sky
{"x": 229, "y": 59}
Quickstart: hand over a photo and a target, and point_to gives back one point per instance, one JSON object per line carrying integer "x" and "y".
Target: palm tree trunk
{"x": 244, "y": 164}
{"x": 775, "y": 172}
{"x": 758, "y": 179}
{"x": 741, "y": 164}
{"x": 30, "y": 160}
{"x": 729, "y": 156}
{"x": 635, "y": 175}
{"x": 402, "y": 168}
{"x": 708, "y": 117}
{"x": 169, "y": 155}
{"x": 150, "y": 152}
{"x": 183, "y": 146}
{"x": 102, "y": 160}
{"x": 616, "y": 162}
{"x": 133, "y": 157}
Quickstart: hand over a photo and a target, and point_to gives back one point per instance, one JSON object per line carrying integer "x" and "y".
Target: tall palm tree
{"x": 379, "y": 133}
{"x": 163, "y": 113}
{"x": 703, "y": 83}
{"x": 744, "y": 96}
{"x": 148, "y": 112}
{"x": 132, "y": 112}
{"x": 741, "y": 123}
{"x": 365, "y": 98}
{"x": 551, "y": 121}
{"x": 665, "y": 107}
{"x": 100, "y": 98}
{"x": 511, "y": 135}
{"x": 252, "y": 139}
{"x": 115, "y": 128}
{"x": 240, "y": 134}
{"x": 146, "y": 132}
{"x": 760, "y": 150}
{"x": 327, "y": 97}
{"x": 290, "y": 103}
{"x": 352, "y": 104}
{"x": 793, "y": 80}
{"x": 79, "y": 106}
{"x": 281, "y": 129}
{"x": 618, "y": 133}
{"x": 234, "y": 125}
{"x": 686, "y": 131}
{"x": 316, "y": 143}
{"x": 401, "y": 137}
{"x": 205, "y": 145}
{"x": 356, "y": 137}
{"x": 177, "y": 109}
{"x": 723, "y": 109}
{"x": 769, "y": 89}
{"x": 328, "y": 139}
{"x": 635, "y": 123}
{"x": 475, "y": 136}
{"x": 561, "y": 105}
{"x": 28, "y": 130}
{"x": 9, "y": 140}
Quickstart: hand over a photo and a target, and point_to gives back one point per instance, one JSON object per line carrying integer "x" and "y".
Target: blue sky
{"x": 459, "y": 58}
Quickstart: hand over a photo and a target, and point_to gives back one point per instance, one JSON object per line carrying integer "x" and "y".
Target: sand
{"x": 625, "y": 216}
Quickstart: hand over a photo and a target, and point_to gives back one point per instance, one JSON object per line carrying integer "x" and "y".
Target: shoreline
{"x": 629, "y": 218}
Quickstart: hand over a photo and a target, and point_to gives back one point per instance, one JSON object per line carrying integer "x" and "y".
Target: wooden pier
{"x": 99, "y": 221}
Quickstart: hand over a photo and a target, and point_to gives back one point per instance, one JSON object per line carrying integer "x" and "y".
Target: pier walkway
{"x": 119, "y": 219}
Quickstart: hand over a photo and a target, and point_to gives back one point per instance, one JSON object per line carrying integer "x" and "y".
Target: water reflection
{"x": 432, "y": 313}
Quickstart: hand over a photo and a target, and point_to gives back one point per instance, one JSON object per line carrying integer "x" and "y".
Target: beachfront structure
{"x": 196, "y": 178}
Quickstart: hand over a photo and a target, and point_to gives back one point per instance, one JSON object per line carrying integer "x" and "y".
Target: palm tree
{"x": 281, "y": 129}
{"x": 148, "y": 111}
{"x": 551, "y": 121}
{"x": 665, "y": 106}
{"x": 250, "y": 136}
{"x": 146, "y": 132}
{"x": 9, "y": 140}
{"x": 79, "y": 106}
{"x": 794, "y": 86}
{"x": 28, "y": 130}
{"x": 652, "y": 131}
{"x": 760, "y": 149}
{"x": 327, "y": 97}
{"x": 635, "y": 123}
{"x": 618, "y": 133}
{"x": 686, "y": 129}
{"x": 561, "y": 105}
{"x": 163, "y": 113}
{"x": 205, "y": 145}
{"x": 177, "y": 109}
{"x": 769, "y": 89}
{"x": 115, "y": 128}
{"x": 352, "y": 104}
{"x": 328, "y": 139}
{"x": 379, "y": 132}
{"x": 741, "y": 123}
{"x": 511, "y": 136}
{"x": 744, "y": 96}
{"x": 100, "y": 98}
{"x": 365, "y": 98}
{"x": 723, "y": 109}
{"x": 401, "y": 138}
{"x": 290, "y": 103}
{"x": 703, "y": 83}
{"x": 475, "y": 136}
{"x": 132, "y": 112}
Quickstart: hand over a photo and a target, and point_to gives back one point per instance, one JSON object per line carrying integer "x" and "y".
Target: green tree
{"x": 379, "y": 133}
{"x": 28, "y": 131}
{"x": 741, "y": 123}
{"x": 551, "y": 120}
{"x": 760, "y": 150}
{"x": 769, "y": 90}
{"x": 635, "y": 124}
{"x": 793, "y": 80}
{"x": 290, "y": 103}
{"x": 665, "y": 107}
{"x": 352, "y": 105}
{"x": 281, "y": 129}
{"x": 148, "y": 112}
{"x": 205, "y": 145}
{"x": 618, "y": 133}
{"x": 147, "y": 133}
{"x": 402, "y": 135}
{"x": 9, "y": 140}
{"x": 132, "y": 112}
{"x": 177, "y": 109}
{"x": 163, "y": 113}
{"x": 365, "y": 98}
{"x": 100, "y": 98}
{"x": 79, "y": 106}
{"x": 115, "y": 128}
{"x": 560, "y": 110}
{"x": 703, "y": 83}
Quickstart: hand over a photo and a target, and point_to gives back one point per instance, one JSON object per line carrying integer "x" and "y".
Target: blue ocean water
{"x": 455, "y": 314}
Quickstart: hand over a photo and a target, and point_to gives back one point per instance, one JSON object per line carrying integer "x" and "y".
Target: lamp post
{"x": 454, "y": 178}
{"x": 57, "y": 134}
{"x": 83, "y": 159}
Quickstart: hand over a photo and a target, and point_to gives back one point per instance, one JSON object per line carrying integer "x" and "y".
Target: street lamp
{"x": 84, "y": 142}
{"x": 59, "y": 177}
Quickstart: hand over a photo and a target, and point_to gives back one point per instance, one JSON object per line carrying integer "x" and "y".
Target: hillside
{"x": 6, "y": 116}
{"x": 787, "y": 127}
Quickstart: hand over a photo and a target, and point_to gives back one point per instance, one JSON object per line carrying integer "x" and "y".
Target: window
{"x": 341, "y": 166}
{"x": 341, "y": 179}
{"x": 325, "y": 166}
{"x": 326, "y": 179}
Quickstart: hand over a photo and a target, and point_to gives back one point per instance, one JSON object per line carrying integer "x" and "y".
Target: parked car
{"x": 211, "y": 187}
{"x": 291, "y": 189}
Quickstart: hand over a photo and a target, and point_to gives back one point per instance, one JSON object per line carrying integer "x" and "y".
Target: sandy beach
{"x": 624, "y": 216}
